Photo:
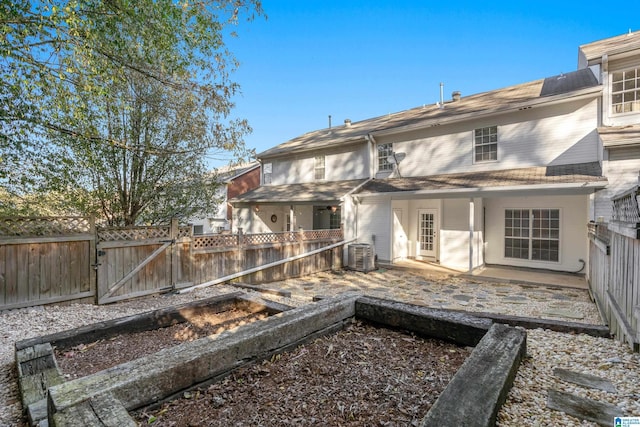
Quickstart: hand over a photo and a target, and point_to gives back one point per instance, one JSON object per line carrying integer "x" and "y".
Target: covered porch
{"x": 307, "y": 206}
{"x": 530, "y": 218}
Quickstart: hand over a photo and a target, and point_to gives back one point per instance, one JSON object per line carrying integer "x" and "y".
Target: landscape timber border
{"x": 472, "y": 398}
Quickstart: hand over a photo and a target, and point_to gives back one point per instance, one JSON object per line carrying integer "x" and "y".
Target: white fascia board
{"x": 285, "y": 152}
{"x": 549, "y": 189}
{"x": 535, "y": 102}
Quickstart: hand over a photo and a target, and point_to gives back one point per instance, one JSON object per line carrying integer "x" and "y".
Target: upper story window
{"x": 485, "y": 144}
{"x": 266, "y": 173}
{"x": 319, "y": 168}
{"x": 625, "y": 91}
{"x": 384, "y": 151}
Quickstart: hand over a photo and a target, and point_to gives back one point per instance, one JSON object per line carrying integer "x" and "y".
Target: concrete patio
{"x": 501, "y": 273}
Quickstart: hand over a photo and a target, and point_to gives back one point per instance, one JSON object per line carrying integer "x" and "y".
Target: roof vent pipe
{"x": 455, "y": 95}
{"x": 347, "y": 122}
{"x": 329, "y": 121}
{"x": 441, "y": 95}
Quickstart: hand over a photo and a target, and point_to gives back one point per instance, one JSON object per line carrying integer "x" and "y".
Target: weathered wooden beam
{"x": 480, "y": 387}
{"x": 135, "y": 323}
{"x": 460, "y": 328}
{"x": 630, "y": 335}
{"x": 97, "y": 411}
{"x": 148, "y": 379}
{"x": 585, "y": 380}
{"x": 600, "y": 331}
{"x": 585, "y": 409}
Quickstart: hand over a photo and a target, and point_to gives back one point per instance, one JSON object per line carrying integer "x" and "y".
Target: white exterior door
{"x": 427, "y": 232}
{"x": 399, "y": 236}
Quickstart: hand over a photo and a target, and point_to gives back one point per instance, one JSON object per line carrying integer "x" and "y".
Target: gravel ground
{"x": 526, "y": 403}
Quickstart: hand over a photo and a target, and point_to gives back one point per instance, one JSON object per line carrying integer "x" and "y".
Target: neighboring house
{"x": 509, "y": 177}
{"x": 237, "y": 180}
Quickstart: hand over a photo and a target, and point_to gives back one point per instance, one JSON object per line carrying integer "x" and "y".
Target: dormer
{"x": 616, "y": 64}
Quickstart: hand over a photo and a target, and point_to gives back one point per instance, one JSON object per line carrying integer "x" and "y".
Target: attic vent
{"x": 347, "y": 122}
{"x": 455, "y": 95}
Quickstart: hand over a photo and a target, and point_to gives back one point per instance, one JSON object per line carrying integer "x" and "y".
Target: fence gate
{"x": 133, "y": 262}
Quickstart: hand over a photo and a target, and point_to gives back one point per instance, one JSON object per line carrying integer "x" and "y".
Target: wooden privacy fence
{"x": 614, "y": 268}
{"x": 46, "y": 260}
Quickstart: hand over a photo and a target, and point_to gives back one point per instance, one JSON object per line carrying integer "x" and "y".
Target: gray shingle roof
{"x": 299, "y": 193}
{"x": 496, "y": 101}
{"x": 569, "y": 82}
{"x": 611, "y": 46}
{"x": 563, "y": 174}
{"x": 619, "y": 136}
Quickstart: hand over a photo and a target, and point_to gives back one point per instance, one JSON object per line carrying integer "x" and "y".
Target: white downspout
{"x": 471, "y": 229}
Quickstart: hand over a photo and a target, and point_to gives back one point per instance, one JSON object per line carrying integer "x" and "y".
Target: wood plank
{"x": 33, "y": 275}
{"x": 585, "y": 380}
{"x": 50, "y": 300}
{"x": 142, "y": 381}
{"x": 54, "y": 271}
{"x": 3, "y": 275}
{"x": 37, "y": 240}
{"x": 457, "y": 327}
{"x": 97, "y": 411}
{"x": 22, "y": 276}
{"x": 480, "y": 387}
{"x": 137, "y": 322}
{"x": 585, "y": 409}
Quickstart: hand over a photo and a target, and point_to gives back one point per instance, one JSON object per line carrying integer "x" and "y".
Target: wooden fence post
{"x": 240, "y": 258}
{"x": 93, "y": 258}
{"x": 173, "y": 253}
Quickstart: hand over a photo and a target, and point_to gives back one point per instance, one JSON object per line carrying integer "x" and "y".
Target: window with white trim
{"x": 319, "y": 168}
{"x": 335, "y": 219}
{"x": 625, "y": 91}
{"x": 485, "y": 144}
{"x": 267, "y": 168}
{"x": 532, "y": 234}
{"x": 384, "y": 151}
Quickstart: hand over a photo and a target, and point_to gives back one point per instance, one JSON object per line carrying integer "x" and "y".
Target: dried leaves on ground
{"x": 89, "y": 358}
{"x": 360, "y": 376}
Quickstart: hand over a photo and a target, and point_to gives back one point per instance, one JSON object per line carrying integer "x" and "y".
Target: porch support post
{"x": 292, "y": 218}
{"x": 471, "y": 228}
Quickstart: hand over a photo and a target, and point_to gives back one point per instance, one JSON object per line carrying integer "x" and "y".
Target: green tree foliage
{"x": 116, "y": 104}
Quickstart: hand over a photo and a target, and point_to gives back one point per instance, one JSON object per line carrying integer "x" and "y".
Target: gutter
{"x": 555, "y": 99}
{"x": 359, "y": 186}
{"x": 459, "y": 192}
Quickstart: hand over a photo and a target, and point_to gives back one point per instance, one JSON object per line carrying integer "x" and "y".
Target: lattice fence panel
{"x": 266, "y": 238}
{"x": 322, "y": 234}
{"x": 133, "y": 233}
{"x": 626, "y": 207}
{"x": 44, "y": 226}
{"x": 184, "y": 231}
{"x": 214, "y": 241}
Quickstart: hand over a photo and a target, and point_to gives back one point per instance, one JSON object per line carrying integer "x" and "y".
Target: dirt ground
{"x": 360, "y": 376}
{"x": 86, "y": 359}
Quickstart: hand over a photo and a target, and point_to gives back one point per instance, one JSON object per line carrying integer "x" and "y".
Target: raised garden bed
{"x": 86, "y": 359}
{"x": 472, "y": 398}
{"x": 52, "y": 359}
{"x": 362, "y": 375}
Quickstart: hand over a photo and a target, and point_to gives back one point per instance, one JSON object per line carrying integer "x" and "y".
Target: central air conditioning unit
{"x": 360, "y": 257}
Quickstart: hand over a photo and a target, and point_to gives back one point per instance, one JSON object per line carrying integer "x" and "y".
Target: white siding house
{"x": 509, "y": 177}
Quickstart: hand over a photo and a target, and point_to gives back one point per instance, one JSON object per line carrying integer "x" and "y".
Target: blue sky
{"x": 359, "y": 59}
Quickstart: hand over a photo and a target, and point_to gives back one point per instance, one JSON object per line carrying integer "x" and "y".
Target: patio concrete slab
{"x": 437, "y": 288}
